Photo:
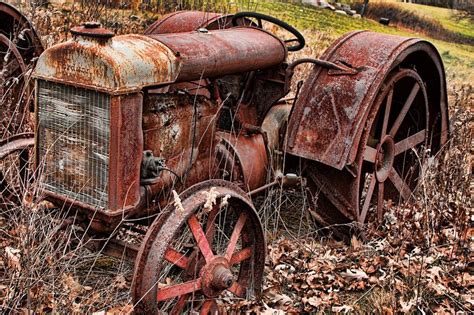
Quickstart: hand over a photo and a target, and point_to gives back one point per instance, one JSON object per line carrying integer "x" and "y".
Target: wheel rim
{"x": 19, "y": 45}
{"x": 14, "y": 167}
{"x": 12, "y": 88}
{"x": 390, "y": 168}
{"x": 212, "y": 254}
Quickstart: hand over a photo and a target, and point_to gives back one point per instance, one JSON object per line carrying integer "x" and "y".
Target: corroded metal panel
{"x": 120, "y": 64}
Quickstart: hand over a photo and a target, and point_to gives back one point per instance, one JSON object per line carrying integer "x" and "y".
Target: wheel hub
{"x": 384, "y": 158}
{"x": 216, "y": 276}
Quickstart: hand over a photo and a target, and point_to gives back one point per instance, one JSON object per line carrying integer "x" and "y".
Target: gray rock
{"x": 357, "y": 16}
{"x": 310, "y": 2}
{"x": 341, "y": 12}
{"x": 348, "y": 12}
{"x": 323, "y": 4}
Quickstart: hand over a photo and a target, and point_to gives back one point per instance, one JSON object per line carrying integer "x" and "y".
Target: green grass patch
{"x": 458, "y": 58}
{"x": 443, "y": 15}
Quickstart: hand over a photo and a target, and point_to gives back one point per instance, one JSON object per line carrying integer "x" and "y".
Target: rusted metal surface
{"x": 126, "y": 147}
{"x": 328, "y": 118}
{"x": 124, "y": 64}
{"x": 221, "y": 52}
{"x": 244, "y": 156}
{"x": 16, "y": 143}
{"x": 209, "y": 275}
{"x": 275, "y": 119}
{"x": 180, "y": 128}
{"x": 92, "y": 29}
{"x": 168, "y": 126}
{"x": 14, "y": 157}
{"x": 118, "y": 65}
{"x": 187, "y": 21}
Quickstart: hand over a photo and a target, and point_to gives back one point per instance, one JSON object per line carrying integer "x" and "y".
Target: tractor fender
{"x": 330, "y": 114}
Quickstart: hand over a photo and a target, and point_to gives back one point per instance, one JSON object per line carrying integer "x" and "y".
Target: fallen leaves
{"x": 13, "y": 258}
{"x": 354, "y": 274}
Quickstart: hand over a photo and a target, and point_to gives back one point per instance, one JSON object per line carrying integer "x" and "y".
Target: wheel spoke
{"x": 398, "y": 182}
{"x": 176, "y": 258}
{"x": 207, "y": 307}
{"x": 410, "y": 142}
{"x": 238, "y": 257}
{"x": 370, "y": 154}
{"x": 368, "y": 198}
{"x": 200, "y": 238}
{"x": 237, "y": 289}
{"x": 386, "y": 116}
{"x": 211, "y": 218}
{"x": 235, "y": 235}
{"x": 172, "y": 291}
{"x": 380, "y": 199}
{"x": 179, "y": 306}
{"x": 12, "y": 68}
{"x": 405, "y": 108}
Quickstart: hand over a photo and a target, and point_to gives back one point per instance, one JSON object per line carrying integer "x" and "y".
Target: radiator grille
{"x": 73, "y": 142}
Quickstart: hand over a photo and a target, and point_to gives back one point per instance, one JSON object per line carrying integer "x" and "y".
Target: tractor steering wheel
{"x": 298, "y": 36}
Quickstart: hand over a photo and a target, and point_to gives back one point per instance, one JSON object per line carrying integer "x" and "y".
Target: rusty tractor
{"x": 177, "y": 129}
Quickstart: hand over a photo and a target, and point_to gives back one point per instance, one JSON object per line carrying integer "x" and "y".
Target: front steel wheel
{"x": 203, "y": 253}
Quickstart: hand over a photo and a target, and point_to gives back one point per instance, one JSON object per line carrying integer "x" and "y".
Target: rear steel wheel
{"x": 396, "y": 144}
{"x": 204, "y": 252}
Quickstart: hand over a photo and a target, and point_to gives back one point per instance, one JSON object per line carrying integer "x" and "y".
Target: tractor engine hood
{"x": 95, "y": 58}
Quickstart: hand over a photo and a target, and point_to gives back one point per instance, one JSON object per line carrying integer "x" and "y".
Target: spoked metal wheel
{"x": 12, "y": 88}
{"x": 14, "y": 165}
{"x": 19, "y": 45}
{"x": 202, "y": 254}
{"x": 396, "y": 144}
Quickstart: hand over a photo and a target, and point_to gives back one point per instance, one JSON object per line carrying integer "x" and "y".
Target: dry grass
{"x": 420, "y": 258}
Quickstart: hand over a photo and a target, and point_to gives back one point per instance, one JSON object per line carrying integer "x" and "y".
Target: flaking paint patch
{"x": 122, "y": 64}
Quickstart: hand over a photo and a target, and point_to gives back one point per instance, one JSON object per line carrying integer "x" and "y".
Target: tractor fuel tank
{"x": 213, "y": 53}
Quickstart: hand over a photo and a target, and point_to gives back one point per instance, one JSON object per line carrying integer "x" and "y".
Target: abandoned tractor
{"x": 179, "y": 128}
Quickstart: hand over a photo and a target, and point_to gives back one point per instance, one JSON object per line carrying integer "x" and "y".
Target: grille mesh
{"x": 73, "y": 142}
